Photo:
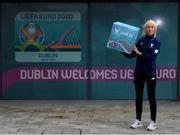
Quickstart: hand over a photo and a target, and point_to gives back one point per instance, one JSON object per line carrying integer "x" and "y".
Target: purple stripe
{"x": 69, "y": 74}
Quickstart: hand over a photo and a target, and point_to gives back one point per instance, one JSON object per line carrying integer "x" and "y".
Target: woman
{"x": 146, "y": 50}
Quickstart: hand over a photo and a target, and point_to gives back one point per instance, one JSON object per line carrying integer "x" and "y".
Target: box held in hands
{"x": 123, "y": 37}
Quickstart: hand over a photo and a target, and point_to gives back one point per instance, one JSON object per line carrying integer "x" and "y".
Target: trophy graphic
{"x": 31, "y": 33}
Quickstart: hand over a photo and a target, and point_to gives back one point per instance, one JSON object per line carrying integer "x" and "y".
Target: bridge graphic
{"x": 69, "y": 41}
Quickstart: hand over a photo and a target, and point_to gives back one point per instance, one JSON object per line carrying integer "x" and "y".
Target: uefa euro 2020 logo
{"x": 32, "y": 35}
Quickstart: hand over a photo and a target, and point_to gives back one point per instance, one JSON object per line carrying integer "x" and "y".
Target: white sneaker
{"x": 152, "y": 126}
{"x": 136, "y": 124}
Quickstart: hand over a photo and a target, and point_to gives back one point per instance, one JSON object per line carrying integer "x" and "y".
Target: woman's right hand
{"x": 137, "y": 51}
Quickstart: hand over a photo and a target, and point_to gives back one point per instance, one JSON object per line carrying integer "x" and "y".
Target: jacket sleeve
{"x": 152, "y": 55}
{"x": 132, "y": 55}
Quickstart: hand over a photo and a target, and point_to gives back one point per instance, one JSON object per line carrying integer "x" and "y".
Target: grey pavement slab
{"x": 84, "y": 117}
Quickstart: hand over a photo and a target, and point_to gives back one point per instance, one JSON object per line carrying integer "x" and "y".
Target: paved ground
{"x": 84, "y": 117}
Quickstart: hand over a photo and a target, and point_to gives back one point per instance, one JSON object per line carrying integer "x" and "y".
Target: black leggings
{"x": 139, "y": 87}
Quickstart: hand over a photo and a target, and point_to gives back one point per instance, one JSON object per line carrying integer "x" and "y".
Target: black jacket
{"x": 146, "y": 63}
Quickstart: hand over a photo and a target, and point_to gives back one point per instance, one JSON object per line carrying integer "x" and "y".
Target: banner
{"x": 47, "y": 37}
{"x": 70, "y": 74}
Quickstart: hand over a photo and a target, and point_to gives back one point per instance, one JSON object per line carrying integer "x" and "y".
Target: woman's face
{"x": 150, "y": 29}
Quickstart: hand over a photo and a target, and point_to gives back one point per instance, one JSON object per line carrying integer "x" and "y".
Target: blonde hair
{"x": 145, "y": 25}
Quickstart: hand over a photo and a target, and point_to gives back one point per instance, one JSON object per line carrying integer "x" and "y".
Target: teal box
{"x": 123, "y": 37}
